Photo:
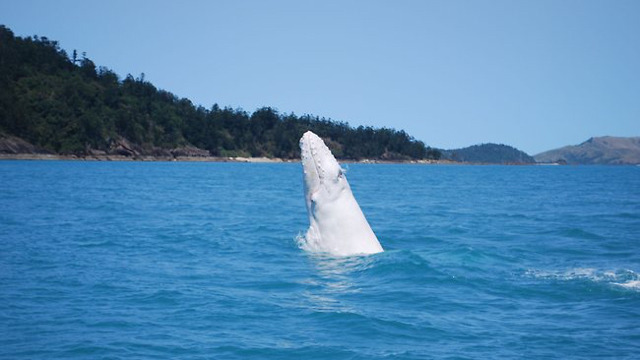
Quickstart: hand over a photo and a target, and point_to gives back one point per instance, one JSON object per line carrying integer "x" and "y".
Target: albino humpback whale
{"x": 336, "y": 223}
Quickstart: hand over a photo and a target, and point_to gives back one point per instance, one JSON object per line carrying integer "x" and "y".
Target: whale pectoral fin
{"x": 314, "y": 201}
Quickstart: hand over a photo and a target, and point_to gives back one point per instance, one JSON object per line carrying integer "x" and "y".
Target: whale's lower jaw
{"x": 337, "y": 225}
{"x": 340, "y": 229}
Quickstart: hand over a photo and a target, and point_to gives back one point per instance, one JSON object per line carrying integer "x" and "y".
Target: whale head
{"x": 336, "y": 223}
{"x": 324, "y": 179}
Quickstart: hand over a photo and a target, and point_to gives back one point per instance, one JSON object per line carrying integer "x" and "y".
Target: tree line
{"x": 68, "y": 105}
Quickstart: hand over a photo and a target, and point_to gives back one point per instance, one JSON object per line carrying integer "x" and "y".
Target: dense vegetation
{"x": 489, "y": 154}
{"x": 65, "y": 104}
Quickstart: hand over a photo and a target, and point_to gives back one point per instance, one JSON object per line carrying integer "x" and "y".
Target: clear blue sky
{"x": 535, "y": 74}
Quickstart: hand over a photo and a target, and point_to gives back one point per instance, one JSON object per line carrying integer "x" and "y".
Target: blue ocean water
{"x": 134, "y": 260}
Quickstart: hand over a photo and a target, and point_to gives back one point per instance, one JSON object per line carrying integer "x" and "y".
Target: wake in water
{"x": 621, "y": 278}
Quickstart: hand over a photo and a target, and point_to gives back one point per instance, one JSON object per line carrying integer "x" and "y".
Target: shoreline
{"x": 241, "y": 159}
{"x": 56, "y": 157}
{"x": 143, "y": 158}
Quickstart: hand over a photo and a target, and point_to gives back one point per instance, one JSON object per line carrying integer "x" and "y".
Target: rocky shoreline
{"x": 14, "y": 148}
{"x": 238, "y": 159}
{"x": 55, "y": 157}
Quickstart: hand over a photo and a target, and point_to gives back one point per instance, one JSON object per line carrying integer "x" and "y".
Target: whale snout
{"x": 310, "y": 143}
{"x": 308, "y": 135}
{"x": 317, "y": 160}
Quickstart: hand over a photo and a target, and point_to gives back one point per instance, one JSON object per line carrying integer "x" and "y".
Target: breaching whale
{"x": 337, "y": 225}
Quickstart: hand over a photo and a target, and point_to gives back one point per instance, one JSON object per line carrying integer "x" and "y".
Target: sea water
{"x": 134, "y": 260}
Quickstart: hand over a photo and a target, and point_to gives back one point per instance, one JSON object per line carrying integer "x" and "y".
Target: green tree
{"x": 68, "y": 105}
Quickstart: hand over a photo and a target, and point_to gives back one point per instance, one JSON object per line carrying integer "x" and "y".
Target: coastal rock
{"x": 15, "y": 145}
{"x": 123, "y": 147}
{"x": 189, "y": 151}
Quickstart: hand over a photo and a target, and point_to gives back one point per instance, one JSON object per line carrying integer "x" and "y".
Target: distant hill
{"x": 605, "y": 150}
{"x": 488, "y": 154}
{"x": 55, "y": 103}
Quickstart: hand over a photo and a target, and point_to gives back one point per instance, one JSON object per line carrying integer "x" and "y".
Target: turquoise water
{"x": 134, "y": 260}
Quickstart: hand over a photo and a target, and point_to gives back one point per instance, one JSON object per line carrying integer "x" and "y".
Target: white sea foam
{"x": 309, "y": 241}
{"x": 631, "y": 284}
{"x": 624, "y": 278}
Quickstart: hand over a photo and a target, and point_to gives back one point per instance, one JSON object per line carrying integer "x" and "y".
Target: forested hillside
{"x": 489, "y": 154}
{"x": 65, "y": 104}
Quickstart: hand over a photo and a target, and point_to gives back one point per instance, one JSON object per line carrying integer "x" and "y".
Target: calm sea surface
{"x": 133, "y": 260}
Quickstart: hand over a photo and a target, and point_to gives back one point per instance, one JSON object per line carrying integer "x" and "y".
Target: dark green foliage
{"x": 68, "y": 105}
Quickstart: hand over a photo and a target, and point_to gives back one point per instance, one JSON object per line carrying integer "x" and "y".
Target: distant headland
{"x": 605, "y": 150}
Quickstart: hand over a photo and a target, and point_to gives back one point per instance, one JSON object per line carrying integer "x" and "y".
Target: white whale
{"x": 337, "y": 225}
